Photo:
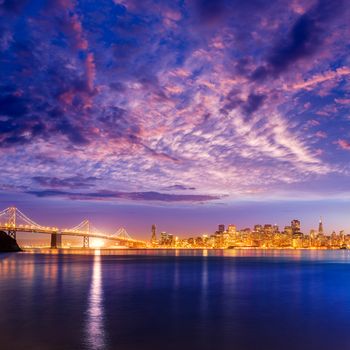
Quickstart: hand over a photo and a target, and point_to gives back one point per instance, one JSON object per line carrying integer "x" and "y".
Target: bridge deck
{"x": 68, "y": 233}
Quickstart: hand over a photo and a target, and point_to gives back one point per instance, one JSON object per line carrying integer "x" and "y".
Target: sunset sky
{"x": 185, "y": 114}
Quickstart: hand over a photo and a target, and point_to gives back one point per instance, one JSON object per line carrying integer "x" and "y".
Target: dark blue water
{"x": 176, "y": 300}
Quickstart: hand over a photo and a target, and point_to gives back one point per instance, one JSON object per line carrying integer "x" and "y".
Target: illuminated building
{"x": 320, "y": 227}
{"x": 154, "y": 236}
{"x": 221, "y": 228}
{"x": 267, "y": 229}
{"x": 288, "y": 230}
{"x": 263, "y": 236}
{"x": 312, "y": 234}
{"x": 295, "y": 225}
{"x": 231, "y": 230}
{"x": 163, "y": 238}
{"x": 170, "y": 239}
{"x": 258, "y": 228}
{"x": 166, "y": 239}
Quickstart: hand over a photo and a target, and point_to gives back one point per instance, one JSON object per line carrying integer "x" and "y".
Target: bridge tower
{"x": 86, "y": 241}
{"x": 56, "y": 240}
{"x": 12, "y": 222}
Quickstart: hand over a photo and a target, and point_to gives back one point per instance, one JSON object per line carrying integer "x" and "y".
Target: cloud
{"x": 178, "y": 187}
{"x": 157, "y": 96}
{"x": 134, "y": 196}
{"x": 211, "y": 10}
{"x": 13, "y": 106}
{"x": 90, "y": 70}
{"x": 18, "y": 126}
{"x": 321, "y": 134}
{"x": 343, "y": 101}
{"x": 320, "y": 78}
{"x": 253, "y": 103}
{"x": 343, "y": 144}
{"x": 68, "y": 182}
{"x": 302, "y": 41}
{"x": 13, "y": 6}
{"x": 248, "y": 104}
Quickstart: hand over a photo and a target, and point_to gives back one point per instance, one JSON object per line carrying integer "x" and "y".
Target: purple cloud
{"x": 69, "y": 182}
{"x": 134, "y": 196}
{"x": 223, "y": 96}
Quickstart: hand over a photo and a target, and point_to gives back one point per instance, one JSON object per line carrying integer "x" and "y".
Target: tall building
{"x": 288, "y": 230}
{"x": 295, "y": 224}
{"x": 320, "y": 227}
{"x": 312, "y": 234}
{"x": 154, "y": 236}
{"x": 221, "y": 228}
{"x": 267, "y": 229}
{"x": 170, "y": 239}
{"x": 163, "y": 238}
{"x": 258, "y": 228}
{"x": 231, "y": 230}
{"x": 166, "y": 238}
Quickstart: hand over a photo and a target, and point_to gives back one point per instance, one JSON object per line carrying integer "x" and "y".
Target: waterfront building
{"x": 268, "y": 229}
{"x": 154, "y": 236}
{"x": 258, "y": 228}
{"x": 320, "y": 227}
{"x": 288, "y": 230}
{"x": 232, "y": 230}
{"x": 312, "y": 234}
{"x": 221, "y": 228}
{"x": 295, "y": 225}
{"x": 263, "y": 236}
{"x": 166, "y": 239}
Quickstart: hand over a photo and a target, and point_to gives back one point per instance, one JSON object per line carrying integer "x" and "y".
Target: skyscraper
{"x": 231, "y": 229}
{"x": 221, "y": 228}
{"x": 154, "y": 236}
{"x": 295, "y": 224}
{"x": 312, "y": 234}
{"x": 320, "y": 227}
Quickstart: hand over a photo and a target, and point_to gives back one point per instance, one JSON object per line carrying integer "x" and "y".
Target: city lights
{"x": 260, "y": 236}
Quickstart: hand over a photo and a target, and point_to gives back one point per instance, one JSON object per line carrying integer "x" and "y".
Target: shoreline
{"x": 102, "y": 251}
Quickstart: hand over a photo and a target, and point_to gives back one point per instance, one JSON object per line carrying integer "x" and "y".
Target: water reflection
{"x": 241, "y": 299}
{"x": 95, "y": 314}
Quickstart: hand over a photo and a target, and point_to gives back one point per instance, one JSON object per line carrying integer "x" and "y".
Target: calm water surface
{"x": 176, "y": 300}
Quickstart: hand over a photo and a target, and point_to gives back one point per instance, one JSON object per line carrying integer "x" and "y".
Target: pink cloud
{"x": 321, "y": 134}
{"x": 343, "y": 101}
{"x": 90, "y": 70}
{"x": 313, "y": 122}
{"x": 320, "y": 78}
{"x": 344, "y": 144}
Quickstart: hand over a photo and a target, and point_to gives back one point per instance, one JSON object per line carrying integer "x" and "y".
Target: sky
{"x": 186, "y": 114}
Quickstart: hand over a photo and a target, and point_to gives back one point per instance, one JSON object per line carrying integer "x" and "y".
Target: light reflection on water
{"x": 159, "y": 299}
{"x": 292, "y": 254}
{"x": 95, "y": 316}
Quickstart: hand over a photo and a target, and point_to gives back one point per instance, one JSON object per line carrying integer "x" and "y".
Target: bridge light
{"x": 96, "y": 243}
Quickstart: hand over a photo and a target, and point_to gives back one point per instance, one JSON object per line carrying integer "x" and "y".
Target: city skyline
{"x": 181, "y": 219}
{"x": 8, "y": 213}
{"x": 181, "y": 113}
{"x": 261, "y": 236}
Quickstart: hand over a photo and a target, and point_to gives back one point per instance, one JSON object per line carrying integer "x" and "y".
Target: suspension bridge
{"x": 12, "y": 221}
